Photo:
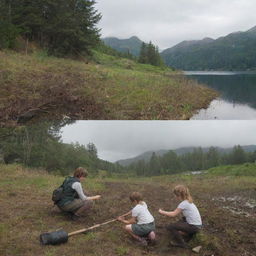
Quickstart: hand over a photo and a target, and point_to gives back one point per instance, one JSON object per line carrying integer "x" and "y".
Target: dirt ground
{"x": 228, "y": 215}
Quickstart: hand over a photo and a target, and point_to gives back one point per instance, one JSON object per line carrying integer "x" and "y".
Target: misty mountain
{"x": 180, "y": 151}
{"x": 236, "y": 51}
{"x": 132, "y": 44}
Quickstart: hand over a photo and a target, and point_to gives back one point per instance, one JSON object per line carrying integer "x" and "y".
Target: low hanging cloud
{"x": 168, "y": 22}
{"x": 117, "y": 140}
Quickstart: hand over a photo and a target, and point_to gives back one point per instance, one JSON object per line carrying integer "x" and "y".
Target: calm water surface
{"x": 237, "y": 95}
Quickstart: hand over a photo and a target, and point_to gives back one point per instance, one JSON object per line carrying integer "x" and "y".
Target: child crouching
{"x": 190, "y": 224}
{"x": 141, "y": 226}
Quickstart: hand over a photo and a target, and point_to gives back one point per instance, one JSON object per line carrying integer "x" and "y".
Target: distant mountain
{"x": 132, "y": 44}
{"x": 180, "y": 151}
{"x": 236, "y": 51}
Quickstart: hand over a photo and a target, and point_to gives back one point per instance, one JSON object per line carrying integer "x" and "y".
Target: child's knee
{"x": 128, "y": 228}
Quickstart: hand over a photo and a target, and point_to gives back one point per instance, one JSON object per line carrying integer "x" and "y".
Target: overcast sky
{"x": 168, "y": 22}
{"x": 117, "y": 140}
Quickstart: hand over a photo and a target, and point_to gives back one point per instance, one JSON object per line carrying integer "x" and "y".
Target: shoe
{"x": 185, "y": 246}
{"x": 143, "y": 242}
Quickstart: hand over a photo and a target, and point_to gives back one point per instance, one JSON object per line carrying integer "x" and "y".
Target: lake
{"x": 237, "y": 99}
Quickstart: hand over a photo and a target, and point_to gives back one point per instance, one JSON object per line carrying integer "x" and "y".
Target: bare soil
{"x": 27, "y": 211}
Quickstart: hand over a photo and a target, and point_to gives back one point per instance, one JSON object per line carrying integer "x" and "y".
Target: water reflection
{"x": 238, "y": 94}
{"x": 223, "y": 110}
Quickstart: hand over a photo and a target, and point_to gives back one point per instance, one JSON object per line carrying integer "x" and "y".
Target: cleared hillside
{"x": 40, "y": 87}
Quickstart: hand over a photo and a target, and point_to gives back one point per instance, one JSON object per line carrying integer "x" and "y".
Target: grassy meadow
{"x": 106, "y": 87}
{"x": 225, "y": 200}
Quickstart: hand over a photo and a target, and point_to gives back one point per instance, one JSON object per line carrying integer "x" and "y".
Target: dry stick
{"x": 95, "y": 226}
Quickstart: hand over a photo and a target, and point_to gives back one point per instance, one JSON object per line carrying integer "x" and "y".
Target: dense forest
{"x": 235, "y": 51}
{"x": 61, "y": 27}
{"x": 40, "y": 146}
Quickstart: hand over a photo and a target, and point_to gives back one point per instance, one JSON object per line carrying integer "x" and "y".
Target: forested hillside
{"x": 60, "y": 27}
{"x": 40, "y": 146}
{"x": 236, "y": 51}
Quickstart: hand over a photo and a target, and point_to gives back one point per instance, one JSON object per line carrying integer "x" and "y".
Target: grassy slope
{"x": 26, "y": 211}
{"x": 111, "y": 88}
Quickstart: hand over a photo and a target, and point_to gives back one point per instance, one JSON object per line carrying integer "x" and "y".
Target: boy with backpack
{"x": 73, "y": 199}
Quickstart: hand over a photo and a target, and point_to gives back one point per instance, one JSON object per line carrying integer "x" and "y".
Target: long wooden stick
{"x": 95, "y": 226}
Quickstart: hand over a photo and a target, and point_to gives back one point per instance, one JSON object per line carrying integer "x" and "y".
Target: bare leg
{"x": 152, "y": 236}
{"x": 128, "y": 228}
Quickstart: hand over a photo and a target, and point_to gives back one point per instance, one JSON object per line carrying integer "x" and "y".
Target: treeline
{"x": 62, "y": 27}
{"x": 40, "y": 146}
{"x": 149, "y": 54}
{"x": 171, "y": 163}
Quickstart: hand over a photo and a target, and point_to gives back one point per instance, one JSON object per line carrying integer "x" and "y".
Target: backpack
{"x": 57, "y": 193}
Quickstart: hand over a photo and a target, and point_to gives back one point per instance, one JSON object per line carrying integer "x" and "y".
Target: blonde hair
{"x": 183, "y": 192}
{"x": 136, "y": 196}
{"x": 80, "y": 172}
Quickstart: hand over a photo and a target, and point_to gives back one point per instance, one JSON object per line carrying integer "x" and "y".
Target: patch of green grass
{"x": 247, "y": 169}
{"x": 3, "y": 229}
{"x": 208, "y": 241}
{"x": 51, "y": 251}
{"x": 121, "y": 251}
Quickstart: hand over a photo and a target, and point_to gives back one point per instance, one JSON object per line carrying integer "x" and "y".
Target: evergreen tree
{"x": 63, "y": 27}
{"x": 238, "y": 155}
{"x": 92, "y": 149}
{"x": 143, "y": 54}
{"x": 149, "y": 55}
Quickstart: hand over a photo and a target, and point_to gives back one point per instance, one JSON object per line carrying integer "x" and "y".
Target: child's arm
{"x": 170, "y": 214}
{"x": 129, "y": 221}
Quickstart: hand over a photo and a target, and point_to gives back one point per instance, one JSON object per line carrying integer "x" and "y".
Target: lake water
{"x": 237, "y": 99}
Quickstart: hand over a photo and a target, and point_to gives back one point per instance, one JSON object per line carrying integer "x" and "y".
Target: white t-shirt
{"x": 78, "y": 188}
{"x": 141, "y": 212}
{"x": 190, "y": 212}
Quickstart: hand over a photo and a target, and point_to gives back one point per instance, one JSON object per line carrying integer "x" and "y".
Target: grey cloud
{"x": 123, "y": 139}
{"x": 168, "y": 22}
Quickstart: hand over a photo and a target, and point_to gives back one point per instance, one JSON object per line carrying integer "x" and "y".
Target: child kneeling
{"x": 141, "y": 226}
{"x": 190, "y": 224}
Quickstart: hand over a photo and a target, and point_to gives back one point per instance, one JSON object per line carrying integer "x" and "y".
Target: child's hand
{"x": 120, "y": 218}
{"x": 161, "y": 211}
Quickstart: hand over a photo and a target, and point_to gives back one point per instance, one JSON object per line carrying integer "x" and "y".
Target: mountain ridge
{"x": 235, "y": 51}
{"x": 131, "y": 45}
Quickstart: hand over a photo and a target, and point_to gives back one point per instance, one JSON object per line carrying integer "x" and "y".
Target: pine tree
{"x": 63, "y": 27}
{"x": 143, "y": 54}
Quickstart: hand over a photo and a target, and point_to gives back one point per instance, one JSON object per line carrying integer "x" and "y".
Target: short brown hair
{"x": 80, "y": 172}
{"x": 135, "y": 196}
